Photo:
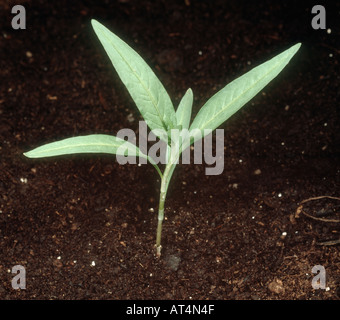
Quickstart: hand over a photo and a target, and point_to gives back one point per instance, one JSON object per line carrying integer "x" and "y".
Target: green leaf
{"x": 143, "y": 85}
{"x": 236, "y": 94}
{"x": 183, "y": 112}
{"x": 95, "y": 143}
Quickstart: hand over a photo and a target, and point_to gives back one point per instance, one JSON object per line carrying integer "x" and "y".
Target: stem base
{"x": 158, "y": 251}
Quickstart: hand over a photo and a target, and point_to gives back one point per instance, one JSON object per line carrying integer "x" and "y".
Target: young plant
{"x": 156, "y": 107}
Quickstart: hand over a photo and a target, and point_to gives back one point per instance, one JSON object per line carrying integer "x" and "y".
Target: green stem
{"x": 164, "y": 187}
{"x": 165, "y": 179}
{"x": 160, "y": 222}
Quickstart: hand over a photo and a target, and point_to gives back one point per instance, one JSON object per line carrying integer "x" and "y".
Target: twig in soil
{"x": 299, "y": 209}
{"x": 318, "y": 198}
{"x": 328, "y": 243}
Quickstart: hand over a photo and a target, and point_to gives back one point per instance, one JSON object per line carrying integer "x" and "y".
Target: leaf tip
{"x": 296, "y": 47}
{"x": 95, "y": 25}
{"x": 94, "y": 22}
{"x": 27, "y": 154}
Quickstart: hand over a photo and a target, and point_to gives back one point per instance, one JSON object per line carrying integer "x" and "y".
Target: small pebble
{"x": 257, "y": 172}
{"x": 23, "y": 180}
{"x": 130, "y": 118}
{"x": 276, "y": 286}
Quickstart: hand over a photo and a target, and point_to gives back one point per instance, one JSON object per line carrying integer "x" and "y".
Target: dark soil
{"x": 84, "y": 227}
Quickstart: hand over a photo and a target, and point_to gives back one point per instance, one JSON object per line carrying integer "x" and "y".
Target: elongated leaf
{"x": 143, "y": 85}
{"x": 94, "y": 143}
{"x": 232, "y": 97}
{"x": 183, "y": 112}
{"x": 183, "y": 115}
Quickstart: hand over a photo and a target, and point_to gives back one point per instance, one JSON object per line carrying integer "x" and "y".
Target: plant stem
{"x": 173, "y": 156}
{"x": 164, "y": 187}
{"x": 160, "y": 222}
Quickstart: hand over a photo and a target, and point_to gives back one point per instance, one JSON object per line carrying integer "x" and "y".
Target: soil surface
{"x": 83, "y": 227}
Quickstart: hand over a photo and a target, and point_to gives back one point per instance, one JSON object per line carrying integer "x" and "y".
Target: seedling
{"x": 156, "y": 107}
